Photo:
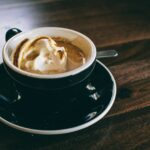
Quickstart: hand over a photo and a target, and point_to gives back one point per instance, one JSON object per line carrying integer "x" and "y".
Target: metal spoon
{"x": 107, "y": 53}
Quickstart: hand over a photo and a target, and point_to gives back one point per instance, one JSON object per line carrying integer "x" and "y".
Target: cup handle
{"x": 11, "y": 32}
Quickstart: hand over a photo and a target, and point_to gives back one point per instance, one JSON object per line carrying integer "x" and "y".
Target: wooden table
{"x": 120, "y": 25}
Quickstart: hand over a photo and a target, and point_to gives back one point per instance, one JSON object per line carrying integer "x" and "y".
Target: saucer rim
{"x": 73, "y": 129}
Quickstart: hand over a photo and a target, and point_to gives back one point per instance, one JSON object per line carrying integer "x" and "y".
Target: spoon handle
{"x": 107, "y": 53}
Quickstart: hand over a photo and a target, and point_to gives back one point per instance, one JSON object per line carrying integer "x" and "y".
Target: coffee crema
{"x": 47, "y": 55}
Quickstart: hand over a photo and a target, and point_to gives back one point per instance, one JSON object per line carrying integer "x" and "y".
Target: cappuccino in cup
{"x": 47, "y": 55}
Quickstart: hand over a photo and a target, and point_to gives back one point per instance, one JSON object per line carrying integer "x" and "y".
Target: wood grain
{"x": 120, "y": 25}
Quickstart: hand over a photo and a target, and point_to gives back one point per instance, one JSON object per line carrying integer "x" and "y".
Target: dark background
{"x": 121, "y": 25}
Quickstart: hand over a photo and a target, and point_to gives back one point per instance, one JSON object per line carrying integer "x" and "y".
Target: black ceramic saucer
{"x": 82, "y": 110}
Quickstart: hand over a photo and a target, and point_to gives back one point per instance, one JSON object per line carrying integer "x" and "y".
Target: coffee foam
{"x": 42, "y": 55}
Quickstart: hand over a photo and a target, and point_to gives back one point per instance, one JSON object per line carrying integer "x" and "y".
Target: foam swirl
{"x": 42, "y": 55}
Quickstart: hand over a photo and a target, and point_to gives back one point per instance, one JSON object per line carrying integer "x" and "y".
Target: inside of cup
{"x": 75, "y": 38}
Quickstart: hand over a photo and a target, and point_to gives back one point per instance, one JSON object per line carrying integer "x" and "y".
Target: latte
{"x": 47, "y": 55}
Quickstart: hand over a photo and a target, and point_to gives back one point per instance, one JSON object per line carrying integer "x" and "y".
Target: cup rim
{"x": 49, "y": 76}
